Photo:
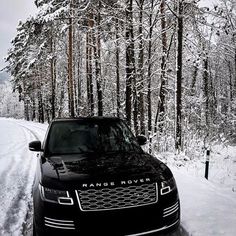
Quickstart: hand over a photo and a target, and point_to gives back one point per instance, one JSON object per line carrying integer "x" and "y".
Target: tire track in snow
{"x": 20, "y": 205}
{"x": 20, "y": 190}
{"x": 11, "y": 149}
{"x": 13, "y": 163}
{"x": 39, "y": 131}
{"x": 27, "y": 226}
{"x": 10, "y": 165}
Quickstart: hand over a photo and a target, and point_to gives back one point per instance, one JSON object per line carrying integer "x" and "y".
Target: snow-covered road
{"x": 17, "y": 167}
{"x": 207, "y": 210}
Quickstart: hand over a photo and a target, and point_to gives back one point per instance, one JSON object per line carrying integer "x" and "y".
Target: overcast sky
{"x": 11, "y": 12}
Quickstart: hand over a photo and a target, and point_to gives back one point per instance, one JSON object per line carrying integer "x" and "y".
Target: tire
{"x": 34, "y": 231}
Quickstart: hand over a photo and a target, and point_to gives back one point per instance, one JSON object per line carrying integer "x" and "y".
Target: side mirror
{"x": 35, "y": 146}
{"x": 142, "y": 140}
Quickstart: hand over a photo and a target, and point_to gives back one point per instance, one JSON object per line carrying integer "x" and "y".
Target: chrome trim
{"x": 174, "y": 208}
{"x": 177, "y": 203}
{"x": 171, "y": 210}
{"x": 77, "y": 196}
{"x": 69, "y": 221}
{"x": 155, "y": 230}
{"x": 162, "y": 189}
{"x": 171, "y": 213}
{"x": 118, "y": 208}
{"x": 59, "y": 227}
{"x": 41, "y": 190}
{"x": 65, "y": 198}
{"x": 60, "y": 224}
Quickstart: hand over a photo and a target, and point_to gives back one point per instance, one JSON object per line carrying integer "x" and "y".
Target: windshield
{"x": 81, "y": 136}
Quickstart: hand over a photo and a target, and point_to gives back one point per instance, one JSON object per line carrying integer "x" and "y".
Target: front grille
{"x": 117, "y": 198}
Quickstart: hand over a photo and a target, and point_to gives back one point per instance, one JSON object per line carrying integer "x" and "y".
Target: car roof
{"x": 87, "y": 118}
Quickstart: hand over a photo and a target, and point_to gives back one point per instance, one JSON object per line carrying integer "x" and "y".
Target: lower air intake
{"x": 59, "y": 224}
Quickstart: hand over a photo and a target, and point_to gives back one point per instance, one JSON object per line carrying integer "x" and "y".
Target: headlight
{"x": 167, "y": 186}
{"x": 56, "y": 196}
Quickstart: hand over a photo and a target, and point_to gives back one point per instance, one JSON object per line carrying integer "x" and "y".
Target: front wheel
{"x": 34, "y": 231}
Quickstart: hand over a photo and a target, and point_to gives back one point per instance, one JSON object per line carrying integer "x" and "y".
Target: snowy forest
{"x": 166, "y": 66}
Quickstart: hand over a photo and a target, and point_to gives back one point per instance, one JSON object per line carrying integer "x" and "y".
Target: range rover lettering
{"x": 93, "y": 178}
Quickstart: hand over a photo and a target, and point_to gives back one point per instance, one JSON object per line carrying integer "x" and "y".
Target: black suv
{"x": 93, "y": 178}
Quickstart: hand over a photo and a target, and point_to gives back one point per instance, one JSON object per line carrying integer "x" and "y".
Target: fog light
{"x": 65, "y": 201}
{"x": 165, "y": 190}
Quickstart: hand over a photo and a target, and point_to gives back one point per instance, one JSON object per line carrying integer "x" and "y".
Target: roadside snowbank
{"x": 208, "y": 207}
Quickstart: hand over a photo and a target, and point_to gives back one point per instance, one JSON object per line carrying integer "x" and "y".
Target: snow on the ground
{"x": 17, "y": 167}
{"x": 208, "y": 3}
{"x": 222, "y": 165}
{"x": 208, "y": 208}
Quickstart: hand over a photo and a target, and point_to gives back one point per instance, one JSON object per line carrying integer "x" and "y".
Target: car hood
{"x": 71, "y": 171}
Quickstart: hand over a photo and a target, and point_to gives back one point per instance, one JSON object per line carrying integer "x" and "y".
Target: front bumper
{"x": 161, "y": 217}
{"x": 165, "y": 228}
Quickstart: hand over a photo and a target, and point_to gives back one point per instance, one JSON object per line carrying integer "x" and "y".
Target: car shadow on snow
{"x": 181, "y": 231}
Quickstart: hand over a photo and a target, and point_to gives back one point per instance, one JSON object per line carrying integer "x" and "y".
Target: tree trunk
{"x": 70, "y": 70}
{"x": 140, "y": 72}
{"x": 62, "y": 97}
{"x": 230, "y": 93}
{"x": 33, "y": 109}
{"x": 74, "y": 70}
{"x": 26, "y": 109}
{"x": 97, "y": 55}
{"x": 79, "y": 81}
{"x": 40, "y": 98}
{"x": 234, "y": 89}
{"x": 129, "y": 59}
{"x": 149, "y": 95}
{"x": 40, "y": 107}
{"x": 161, "y": 101}
{"x": 206, "y": 88}
{"x": 53, "y": 77}
{"x": 88, "y": 72}
{"x": 117, "y": 69}
{"x": 26, "y": 103}
{"x": 178, "y": 122}
{"x": 89, "y": 67}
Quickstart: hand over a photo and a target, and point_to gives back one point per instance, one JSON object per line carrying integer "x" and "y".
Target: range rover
{"x": 93, "y": 178}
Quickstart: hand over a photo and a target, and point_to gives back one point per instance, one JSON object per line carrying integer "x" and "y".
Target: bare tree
{"x": 178, "y": 121}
